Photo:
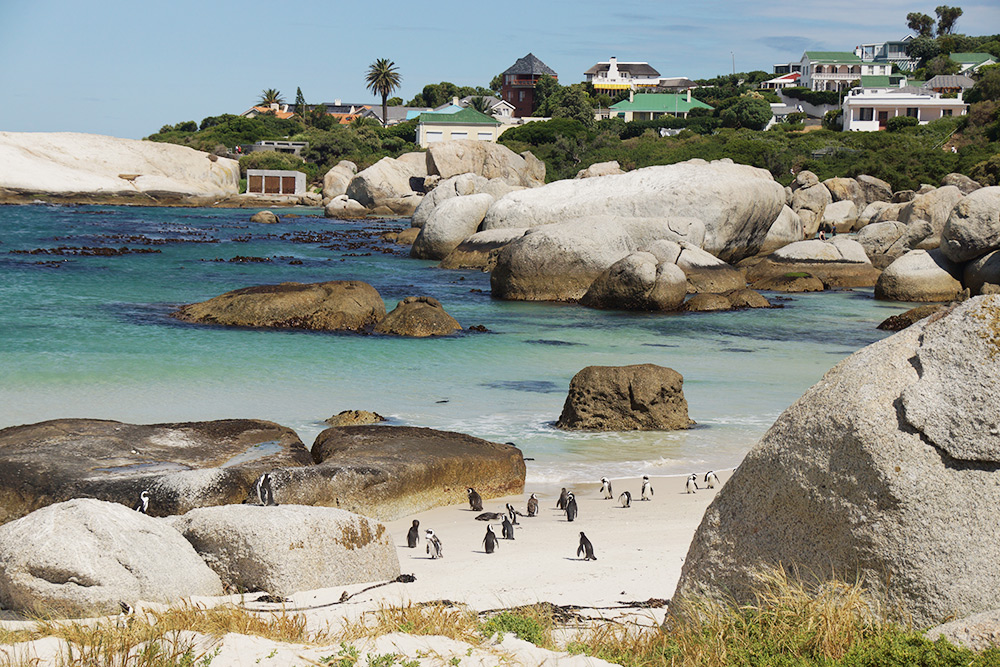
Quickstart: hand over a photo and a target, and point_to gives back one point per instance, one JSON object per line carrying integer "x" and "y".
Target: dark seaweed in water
{"x": 547, "y": 341}
{"x": 535, "y": 386}
{"x": 74, "y": 251}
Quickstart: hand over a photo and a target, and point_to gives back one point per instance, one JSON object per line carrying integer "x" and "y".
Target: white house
{"x": 869, "y": 109}
{"x": 969, "y": 63}
{"x": 892, "y": 52}
{"x": 612, "y": 75}
{"x": 837, "y": 70}
{"x": 783, "y": 81}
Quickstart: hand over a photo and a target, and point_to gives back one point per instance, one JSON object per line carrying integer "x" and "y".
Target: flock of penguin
{"x": 567, "y": 503}
{"x": 262, "y": 489}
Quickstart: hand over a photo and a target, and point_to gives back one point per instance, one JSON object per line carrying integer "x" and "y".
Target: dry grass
{"x": 429, "y": 619}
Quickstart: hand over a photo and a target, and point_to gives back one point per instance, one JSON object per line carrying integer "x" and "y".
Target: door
{"x": 883, "y": 119}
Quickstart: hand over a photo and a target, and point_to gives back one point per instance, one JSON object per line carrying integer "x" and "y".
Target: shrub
{"x": 833, "y": 119}
{"x": 528, "y": 628}
{"x": 897, "y": 123}
{"x": 987, "y": 172}
{"x": 544, "y": 131}
{"x": 816, "y": 97}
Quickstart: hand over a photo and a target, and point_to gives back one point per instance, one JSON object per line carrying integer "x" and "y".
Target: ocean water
{"x": 90, "y": 336}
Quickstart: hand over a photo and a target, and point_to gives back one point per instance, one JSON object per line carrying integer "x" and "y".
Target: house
{"x": 949, "y": 83}
{"x": 884, "y": 81}
{"x": 280, "y": 110}
{"x": 969, "y": 63}
{"x": 891, "y": 52}
{"x": 292, "y": 147}
{"x": 647, "y": 106}
{"x": 869, "y": 109}
{"x": 275, "y": 182}
{"x": 786, "y": 68}
{"x": 519, "y": 82}
{"x": 500, "y": 109}
{"x": 783, "y": 81}
{"x": 837, "y": 70}
{"x": 465, "y": 124}
{"x": 611, "y": 76}
{"x": 674, "y": 84}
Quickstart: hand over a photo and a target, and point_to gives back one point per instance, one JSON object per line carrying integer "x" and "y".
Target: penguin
{"x": 490, "y": 516}
{"x": 561, "y": 503}
{"x": 490, "y": 541}
{"x": 265, "y": 493}
{"x": 508, "y": 529}
{"x": 625, "y": 499}
{"x": 606, "y": 489}
{"x": 512, "y": 513}
{"x": 692, "y": 483}
{"x": 142, "y": 505}
{"x": 413, "y": 536}
{"x": 711, "y": 479}
{"x": 586, "y": 549}
{"x": 434, "y": 545}
{"x": 571, "y": 508}
{"x": 647, "y": 488}
{"x": 475, "y": 501}
{"x": 532, "y": 505}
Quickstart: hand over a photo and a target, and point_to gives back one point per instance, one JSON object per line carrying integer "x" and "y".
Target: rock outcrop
{"x": 884, "y": 242}
{"x": 737, "y": 299}
{"x": 450, "y": 223}
{"x": 874, "y": 189}
{"x": 737, "y": 204}
{"x": 183, "y": 465}
{"x": 934, "y": 207}
{"x": 643, "y": 397}
{"x": 264, "y": 218}
{"x": 611, "y": 168}
{"x": 486, "y": 159}
{"x": 903, "y": 320}
{"x": 385, "y": 184}
{"x": 419, "y": 317}
{"x": 787, "y": 228}
{"x": 809, "y": 203}
{"x": 840, "y": 262}
{"x": 792, "y": 282}
{"x": 847, "y": 189}
{"x": 462, "y": 185}
{"x": 480, "y": 250}
{"x": 289, "y": 548}
{"x": 977, "y": 632}
{"x": 83, "y": 557}
{"x": 336, "y": 180}
{"x": 69, "y": 167}
{"x": 354, "y": 418}
{"x": 982, "y": 275}
{"x": 841, "y": 216}
{"x": 883, "y": 470}
{"x": 703, "y": 271}
{"x": 962, "y": 182}
{"x": 638, "y": 282}
{"x": 339, "y": 305}
{"x": 920, "y": 275}
{"x": 973, "y": 226}
{"x": 344, "y": 208}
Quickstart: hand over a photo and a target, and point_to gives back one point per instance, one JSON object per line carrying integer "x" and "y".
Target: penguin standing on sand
{"x": 532, "y": 505}
{"x": 625, "y": 499}
{"x": 413, "y": 536}
{"x": 692, "y": 483}
{"x": 563, "y": 498}
{"x": 434, "y": 545}
{"x": 142, "y": 505}
{"x": 647, "y": 488}
{"x": 711, "y": 479}
{"x": 490, "y": 541}
{"x": 586, "y": 549}
{"x": 512, "y": 513}
{"x": 571, "y": 508}
{"x": 475, "y": 500}
{"x": 606, "y": 489}
{"x": 265, "y": 493}
{"x": 508, "y": 529}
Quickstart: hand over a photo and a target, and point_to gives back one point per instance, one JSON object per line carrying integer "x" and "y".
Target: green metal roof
{"x": 971, "y": 58}
{"x": 660, "y": 102}
{"x": 883, "y": 81}
{"x": 467, "y": 116}
{"x": 833, "y": 56}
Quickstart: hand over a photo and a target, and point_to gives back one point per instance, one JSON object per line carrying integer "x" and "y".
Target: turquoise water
{"x": 90, "y": 336}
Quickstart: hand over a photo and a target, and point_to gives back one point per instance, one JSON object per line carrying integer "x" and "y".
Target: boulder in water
{"x": 418, "y": 316}
{"x": 643, "y": 397}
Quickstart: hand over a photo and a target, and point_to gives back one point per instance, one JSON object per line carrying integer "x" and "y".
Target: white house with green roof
{"x": 647, "y": 106}
{"x": 971, "y": 62}
{"x": 837, "y": 70}
{"x": 465, "y": 124}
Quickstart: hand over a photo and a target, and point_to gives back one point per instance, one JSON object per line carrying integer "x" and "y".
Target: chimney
{"x": 689, "y": 94}
{"x": 336, "y": 103}
{"x": 454, "y": 101}
{"x": 631, "y": 94}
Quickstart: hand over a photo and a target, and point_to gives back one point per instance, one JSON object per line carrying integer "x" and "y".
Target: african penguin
{"x": 606, "y": 488}
{"x": 561, "y": 503}
{"x": 647, "y": 488}
{"x": 512, "y": 513}
{"x": 265, "y": 493}
{"x": 571, "y": 508}
{"x": 490, "y": 541}
{"x": 475, "y": 501}
{"x": 711, "y": 479}
{"x": 532, "y": 505}
{"x": 625, "y": 499}
{"x": 490, "y": 516}
{"x": 508, "y": 529}
{"x": 586, "y": 549}
{"x": 434, "y": 545}
{"x": 142, "y": 505}
{"x": 413, "y": 536}
{"x": 692, "y": 483}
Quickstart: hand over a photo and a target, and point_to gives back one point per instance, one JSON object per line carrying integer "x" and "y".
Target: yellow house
{"x": 465, "y": 124}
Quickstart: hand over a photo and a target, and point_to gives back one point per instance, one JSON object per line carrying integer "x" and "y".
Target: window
{"x": 520, "y": 96}
{"x": 485, "y": 136}
{"x": 946, "y": 112}
{"x": 434, "y": 136}
{"x": 459, "y": 135}
{"x": 913, "y": 112}
{"x": 866, "y": 113}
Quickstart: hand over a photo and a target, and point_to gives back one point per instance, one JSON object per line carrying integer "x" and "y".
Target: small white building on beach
{"x": 869, "y": 109}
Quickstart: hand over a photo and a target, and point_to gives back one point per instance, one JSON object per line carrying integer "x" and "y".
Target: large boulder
{"x": 809, "y": 203}
{"x": 290, "y": 548}
{"x": 354, "y": 418}
{"x": 643, "y": 397}
{"x": 460, "y": 186}
{"x": 480, "y": 250}
{"x": 847, "y": 189}
{"x": 879, "y": 211}
{"x": 183, "y": 465}
{"x": 786, "y": 228}
{"x": 336, "y": 180}
{"x": 920, "y": 275}
{"x": 804, "y": 179}
{"x": 638, "y": 282}
{"x": 982, "y": 275}
{"x": 486, "y": 159}
{"x": 973, "y": 227}
{"x": 736, "y": 203}
{"x": 83, "y": 557}
{"x": 883, "y": 471}
{"x": 264, "y": 218}
{"x": 977, "y": 632}
{"x": 737, "y": 299}
{"x": 874, "y": 189}
{"x": 841, "y": 216}
{"x": 90, "y": 168}
{"x": 337, "y": 305}
{"x": 884, "y": 242}
{"x": 962, "y": 182}
{"x": 600, "y": 169}
{"x": 451, "y": 222}
{"x": 387, "y": 181}
{"x": 839, "y": 262}
{"x": 419, "y": 317}
{"x": 560, "y": 261}
{"x": 704, "y": 272}
{"x": 343, "y": 207}
{"x": 934, "y": 207}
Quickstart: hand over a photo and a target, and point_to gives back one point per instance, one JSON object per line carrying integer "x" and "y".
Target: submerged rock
{"x": 643, "y": 397}
{"x": 840, "y": 262}
{"x": 355, "y": 418}
{"x": 264, "y": 218}
{"x": 737, "y": 299}
{"x": 903, "y": 320}
{"x": 638, "y": 282}
{"x": 418, "y": 316}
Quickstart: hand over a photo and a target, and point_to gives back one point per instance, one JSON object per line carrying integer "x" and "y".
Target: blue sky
{"x": 127, "y": 68}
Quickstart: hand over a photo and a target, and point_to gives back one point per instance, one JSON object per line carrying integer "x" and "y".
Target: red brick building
{"x": 519, "y": 83}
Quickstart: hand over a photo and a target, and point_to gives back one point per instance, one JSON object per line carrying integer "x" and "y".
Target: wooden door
{"x": 883, "y": 119}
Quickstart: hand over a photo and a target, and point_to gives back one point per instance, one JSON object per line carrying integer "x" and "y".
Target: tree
{"x": 395, "y": 101}
{"x": 922, "y": 24}
{"x": 573, "y": 102}
{"x": 946, "y": 19}
{"x": 941, "y": 64}
{"x": 988, "y": 86}
{"x": 479, "y": 103}
{"x": 382, "y": 78}
{"x": 496, "y": 83}
{"x": 750, "y": 111}
{"x": 300, "y": 103}
{"x": 271, "y": 96}
{"x": 923, "y": 49}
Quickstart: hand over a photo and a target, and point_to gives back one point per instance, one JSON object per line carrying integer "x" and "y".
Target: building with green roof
{"x": 647, "y": 106}
{"x": 971, "y": 62}
{"x": 460, "y": 125}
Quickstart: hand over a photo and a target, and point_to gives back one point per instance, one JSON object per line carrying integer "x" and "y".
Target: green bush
{"x": 987, "y": 172}
{"x": 544, "y": 131}
{"x": 524, "y": 627}
{"x": 833, "y": 119}
{"x": 897, "y": 123}
{"x": 815, "y": 97}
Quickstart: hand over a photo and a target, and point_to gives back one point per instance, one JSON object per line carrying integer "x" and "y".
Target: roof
{"x": 490, "y": 101}
{"x": 791, "y": 76}
{"x": 659, "y": 102}
{"x": 971, "y": 58}
{"x": 677, "y": 82}
{"x": 635, "y": 69}
{"x": 467, "y": 116}
{"x": 448, "y": 108}
{"x": 950, "y": 81}
{"x": 529, "y": 64}
{"x": 832, "y": 57}
{"x": 882, "y": 81}
{"x": 284, "y": 115}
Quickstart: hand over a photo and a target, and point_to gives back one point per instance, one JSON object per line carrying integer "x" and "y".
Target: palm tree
{"x": 383, "y": 78}
{"x": 271, "y": 96}
{"x": 480, "y": 104}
